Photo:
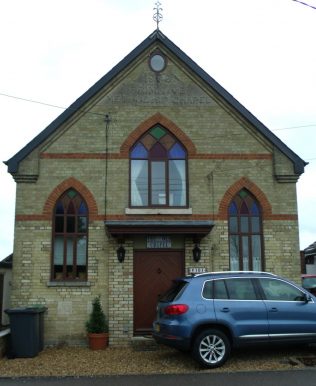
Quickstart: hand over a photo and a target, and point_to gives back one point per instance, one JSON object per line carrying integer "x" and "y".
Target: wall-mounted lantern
{"x": 120, "y": 254}
{"x": 196, "y": 253}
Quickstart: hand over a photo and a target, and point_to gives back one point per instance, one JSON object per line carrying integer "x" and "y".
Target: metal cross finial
{"x": 157, "y": 15}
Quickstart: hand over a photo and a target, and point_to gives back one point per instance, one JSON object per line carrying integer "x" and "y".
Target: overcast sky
{"x": 261, "y": 51}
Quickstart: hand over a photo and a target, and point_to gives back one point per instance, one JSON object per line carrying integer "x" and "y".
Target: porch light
{"x": 196, "y": 253}
{"x": 120, "y": 254}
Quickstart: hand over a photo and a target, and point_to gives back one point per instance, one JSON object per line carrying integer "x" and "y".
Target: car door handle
{"x": 225, "y": 309}
{"x": 273, "y": 309}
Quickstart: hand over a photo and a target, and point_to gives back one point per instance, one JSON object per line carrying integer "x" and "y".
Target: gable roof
{"x": 7, "y": 262}
{"x": 310, "y": 250}
{"x": 156, "y": 36}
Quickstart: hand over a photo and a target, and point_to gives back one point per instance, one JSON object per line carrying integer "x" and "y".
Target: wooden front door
{"x": 153, "y": 275}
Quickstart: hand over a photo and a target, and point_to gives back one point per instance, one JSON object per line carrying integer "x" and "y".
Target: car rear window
{"x": 176, "y": 289}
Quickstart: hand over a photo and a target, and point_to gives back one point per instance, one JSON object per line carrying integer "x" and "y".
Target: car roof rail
{"x": 229, "y": 272}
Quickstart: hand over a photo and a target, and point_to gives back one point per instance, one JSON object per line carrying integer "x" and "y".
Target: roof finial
{"x": 157, "y": 15}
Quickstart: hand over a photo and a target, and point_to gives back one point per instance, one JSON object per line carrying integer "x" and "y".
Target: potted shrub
{"x": 97, "y": 327}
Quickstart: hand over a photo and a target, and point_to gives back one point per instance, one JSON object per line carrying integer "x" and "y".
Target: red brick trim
{"x": 100, "y": 217}
{"x": 31, "y": 217}
{"x": 81, "y": 156}
{"x": 233, "y": 156}
{"x": 147, "y": 124}
{"x": 254, "y": 189}
{"x": 61, "y": 188}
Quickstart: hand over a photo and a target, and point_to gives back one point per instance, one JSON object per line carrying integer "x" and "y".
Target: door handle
{"x": 273, "y": 309}
{"x": 225, "y": 309}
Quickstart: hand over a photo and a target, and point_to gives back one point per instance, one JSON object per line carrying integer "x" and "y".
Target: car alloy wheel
{"x": 211, "y": 348}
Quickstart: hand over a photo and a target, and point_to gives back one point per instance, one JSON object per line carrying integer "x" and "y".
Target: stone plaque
{"x": 158, "y": 242}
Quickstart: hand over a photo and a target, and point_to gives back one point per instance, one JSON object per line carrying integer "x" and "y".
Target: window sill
{"x": 68, "y": 284}
{"x": 158, "y": 211}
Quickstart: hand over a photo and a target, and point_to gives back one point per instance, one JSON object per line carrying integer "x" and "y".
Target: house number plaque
{"x": 158, "y": 242}
{"x": 196, "y": 270}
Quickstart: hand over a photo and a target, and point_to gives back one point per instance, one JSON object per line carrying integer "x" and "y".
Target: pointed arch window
{"x": 245, "y": 233}
{"x": 70, "y": 237}
{"x": 158, "y": 170}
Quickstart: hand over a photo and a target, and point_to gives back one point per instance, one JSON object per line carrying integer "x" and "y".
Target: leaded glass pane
{"x": 148, "y": 141}
{"x": 157, "y": 132}
{"x": 59, "y": 224}
{"x": 255, "y": 224}
{"x": 256, "y": 253}
{"x": 158, "y": 183}
{"x": 81, "y": 250}
{"x": 71, "y": 193}
{"x": 70, "y": 251}
{"x": 139, "y": 152}
{"x": 167, "y": 141}
{"x": 233, "y": 209}
{"x": 233, "y": 224}
{"x": 244, "y": 224}
{"x": 158, "y": 151}
{"x": 59, "y": 208}
{"x": 83, "y": 208}
{"x": 177, "y": 152}
{"x": 243, "y": 193}
{"x": 71, "y": 208}
{"x": 82, "y": 224}
{"x": 139, "y": 183}
{"x": 58, "y": 250}
{"x": 254, "y": 209}
{"x": 234, "y": 252}
{"x": 245, "y": 252}
{"x": 71, "y": 221}
{"x": 177, "y": 183}
{"x": 244, "y": 208}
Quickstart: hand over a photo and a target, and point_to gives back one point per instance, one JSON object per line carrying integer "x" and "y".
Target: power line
{"x": 48, "y": 104}
{"x": 295, "y": 127}
{"x": 100, "y": 114}
{"x": 308, "y": 5}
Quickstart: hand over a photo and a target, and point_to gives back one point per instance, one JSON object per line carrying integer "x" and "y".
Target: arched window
{"x": 245, "y": 233}
{"x": 70, "y": 237}
{"x": 158, "y": 170}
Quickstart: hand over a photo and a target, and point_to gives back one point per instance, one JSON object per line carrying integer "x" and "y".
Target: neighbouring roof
{"x": 153, "y": 38}
{"x": 7, "y": 262}
{"x": 310, "y": 250}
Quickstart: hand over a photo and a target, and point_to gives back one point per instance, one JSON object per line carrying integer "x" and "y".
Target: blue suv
{"x": 210, "y": 313}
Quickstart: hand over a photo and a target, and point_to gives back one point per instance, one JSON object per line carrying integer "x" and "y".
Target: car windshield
{"x": 175, "y": 290}
{"x": 309, "y": 282}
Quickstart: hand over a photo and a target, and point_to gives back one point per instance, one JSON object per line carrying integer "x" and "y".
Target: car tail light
{"x": 176, "y": 309}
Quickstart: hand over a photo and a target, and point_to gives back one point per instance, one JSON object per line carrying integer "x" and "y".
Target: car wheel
{"x": 211, "y": 348}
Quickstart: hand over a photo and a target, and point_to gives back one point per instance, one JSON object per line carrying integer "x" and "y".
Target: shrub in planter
{"x": 97, "y": 326}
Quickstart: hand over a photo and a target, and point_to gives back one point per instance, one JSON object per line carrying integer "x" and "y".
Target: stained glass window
{"x": 158, "y": 170}
{"x": 245, "y": 233}
{"x": 70, "y": 235}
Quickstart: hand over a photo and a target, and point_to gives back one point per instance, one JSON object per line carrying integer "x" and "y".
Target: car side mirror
{"x": 307, "y": 298}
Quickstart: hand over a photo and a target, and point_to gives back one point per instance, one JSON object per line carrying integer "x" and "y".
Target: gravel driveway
{"x": 76, "y": 361}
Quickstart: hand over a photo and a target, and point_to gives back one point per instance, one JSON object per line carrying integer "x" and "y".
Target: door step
{"x": 144, "y": 343}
